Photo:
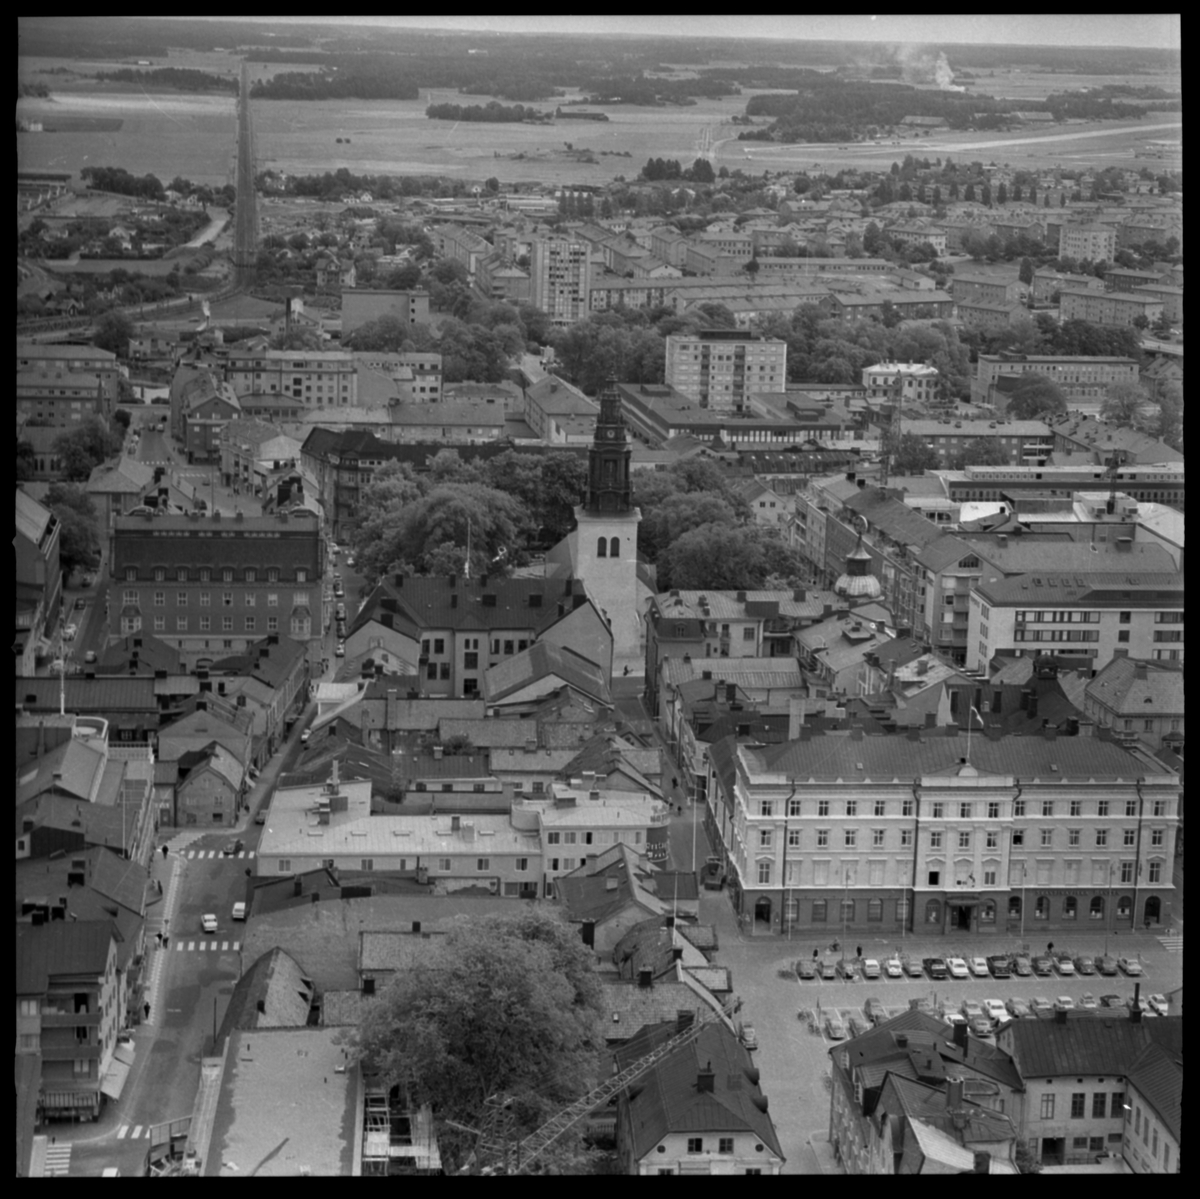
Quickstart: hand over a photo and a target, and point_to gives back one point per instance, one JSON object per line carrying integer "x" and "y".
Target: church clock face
{"x": 610, "y": 433}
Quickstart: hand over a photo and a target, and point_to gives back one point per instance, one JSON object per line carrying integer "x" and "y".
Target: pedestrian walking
{"x": 859, "y": 953}
{"x": 675, "y": 783}
{"x": 816, "y": 954}
{"x": 158, "y": 938}
{"x": 1049, "y": 946}
{"x": 160, "y": 886}
{"x": 166, "y": 939}
{"x": 164, "y": 853}
{"x": 626, "y": 672}
{"x": 146, "y": 1009}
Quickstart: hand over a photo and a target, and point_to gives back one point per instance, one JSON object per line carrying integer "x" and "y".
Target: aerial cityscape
{"x": 713, "y": 494}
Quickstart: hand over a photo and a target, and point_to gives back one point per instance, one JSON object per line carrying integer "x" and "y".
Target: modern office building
{"x": 560, "y": 273}
{"x": 720, "y": 368}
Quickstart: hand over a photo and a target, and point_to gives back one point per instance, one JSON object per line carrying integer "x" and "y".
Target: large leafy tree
{"x": 980, "y": 451}
{"x": 506, "y": 1006}
{"x": 724, "y": 557}
{"x": 910, "y": 454}
{"x": 81, "y": 449}
{"x": 1037, "y": 397}
{"x": 1127, "y": 404}
{"x": 113, "y": 331}
{"x": 79, "y": 539}
{"x": 1169, "y": 424}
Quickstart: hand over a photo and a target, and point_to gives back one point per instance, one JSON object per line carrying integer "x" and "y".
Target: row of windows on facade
{"x": 300, "y": 626}
{"x": 1103, "y": 1103}
{"x": 966, "y": 809}
{"x": 204, "y": 574}
{"x": 1084, "y": 635}
{"x": 847, "y": 909}
{"x": 249, "y": 599}
{"x": 436, "y": 646}
{"x": 963, "y": 839}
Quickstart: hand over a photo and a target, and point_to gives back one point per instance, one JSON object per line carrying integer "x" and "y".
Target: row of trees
{"x": 701, "y": 170}
{"x": 491, "y": 112}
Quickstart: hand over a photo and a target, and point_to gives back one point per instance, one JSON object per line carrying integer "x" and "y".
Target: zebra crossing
{"x": 1172, "y": 943}
{"x": 200, "y": 854}
{"x": 58, "y": 1159}
{"x": 204, "y": 945}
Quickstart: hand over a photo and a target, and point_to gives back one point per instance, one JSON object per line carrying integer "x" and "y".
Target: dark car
{"x": 261, "y": 816}
{"x": 1085, "y": 964}
{"x": 828, "y": 970}
{"x": 913, "y": 968}
{"x": 1107, "y": 965}
{"x": 1022, "y": 967}
{"x": 847, "y": 970}
{"x": 858, "y": 1026}
{"x": 806, "y": 969}
{"x": 233, "y": 847}
{"x": 1043, "y": 965}
{"x": 936, "y": 967}
{"x": 1111, "y": 1001}
{"x": 875, "y": 1011}
{"x": 1000, "y": 965}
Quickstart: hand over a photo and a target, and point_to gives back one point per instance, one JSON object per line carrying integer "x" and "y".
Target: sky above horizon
{"x": 1098, "y": 29}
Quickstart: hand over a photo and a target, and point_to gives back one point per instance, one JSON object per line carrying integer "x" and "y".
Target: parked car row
{"x": 1002, "y": 965}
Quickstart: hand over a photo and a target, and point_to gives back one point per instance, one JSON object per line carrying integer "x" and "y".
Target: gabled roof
{"x": 1084, "y": 1043}
{"x": 1158, "y": 1075}
{"x": 544, "y": 660}
{"x": 32, "y": 518}
{"x": 124, "y": 477}
{"x": 608, "y": 884}
{"x": 60, "y": 948}
{"x": 79, "y": 764}
{"x": 669, "y": 1100}
{"x": 273, "y": 993}
{"x": 1129, "y": 688}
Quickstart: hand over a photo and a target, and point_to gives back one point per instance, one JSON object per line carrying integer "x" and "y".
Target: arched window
{"x": 601, "y": 547}
{"x": 987, "y": 912}
{"x": 1070, "y": 908}
{"x": 614, "y": 548}
{"x": 1096, "y": 908}
{"x": 933, "y": 912}
{"x": 1041, "y": 909}
{"x": 1014, "y": 907}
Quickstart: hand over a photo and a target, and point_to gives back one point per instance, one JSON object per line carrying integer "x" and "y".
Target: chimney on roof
{"x": 954, "y": 1091}
{"x": 730, "y": 693}
{"x": 645, "y": 977}
{"x": 1139, "y": 672}
{"x": 1050, "y": 732}
{"x": 795, "y": 716}
{"x": 931, "y": 720}
{"x": 1125, "y": 545}
{"x": 1033, "y": 704}
{"x": 960, "y": 1039}
{"x": 856, "y": 732}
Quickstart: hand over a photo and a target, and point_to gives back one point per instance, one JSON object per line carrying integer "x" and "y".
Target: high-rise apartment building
{"x": 560, "y": 277}
{"x": 722, "y": 368}
{"x": 1087, "y": 241}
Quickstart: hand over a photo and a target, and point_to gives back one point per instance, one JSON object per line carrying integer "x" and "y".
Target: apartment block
{"x": 211, "y": 586}
{"x": 1079, "y": 378}
{"x": 359, "y": 307}
{"x": 918, "y": 381}
{"x": 1110, "y": 308}
{"x": 560, "y": 273}
{"x": 60, "y": 399}
{"x": 1090, "y": 616}
{"x": 1093, "y": 241}
{"x": 720, "y": 368}
{"x": 314, "y": 378}
{"x": 1048, "y": 283}
{"x": 1023, "y": 442}
{"x": 838, "y": 834}
{"x": 986, "y": 289}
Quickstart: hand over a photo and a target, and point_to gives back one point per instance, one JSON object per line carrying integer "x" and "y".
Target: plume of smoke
{"x": 920, "y": 64}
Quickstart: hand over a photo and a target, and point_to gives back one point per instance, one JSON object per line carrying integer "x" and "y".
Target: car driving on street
{"x": 208, "y": 923}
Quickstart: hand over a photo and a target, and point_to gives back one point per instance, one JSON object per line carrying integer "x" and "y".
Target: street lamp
{"x": 845, "y": 900}
{"x": 1108, "y": 899}
{"x": 1022, "y": 904}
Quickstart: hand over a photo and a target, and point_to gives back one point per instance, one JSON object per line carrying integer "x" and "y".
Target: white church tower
{"x": 605, "y": 537}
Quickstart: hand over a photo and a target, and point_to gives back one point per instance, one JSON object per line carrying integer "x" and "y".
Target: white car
{"x": 1064, "y": 1003}
{"x": 893, "y": 968}
{"x": 208, "y": 923}
{"x": 870, "y": 968}
{"x": 979, "y": 967}
{"x": 239, "y": 911}
{"x": 69, "y": 632}
{"x": 995, "y": 1010}
{"x": 349, "y": 559}
{"x": 58, "y": 665}
{"x": 1065, "y": 967}
{"x": 957, "y": 968}
{"x": 1159, "y": 1004}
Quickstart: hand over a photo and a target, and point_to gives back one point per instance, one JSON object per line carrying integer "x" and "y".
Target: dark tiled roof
{"x": 72, "y": 948}
{"x": 540, "y": 660}
{"x": 670, "y": 1101}
{"x": 101, "y": 696}
{"x": 1158, "y": 1075}
{"x": 1085, "y": 1043}
{"x": 835, "y": 755}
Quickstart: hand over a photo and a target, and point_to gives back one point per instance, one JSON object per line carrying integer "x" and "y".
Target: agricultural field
{"x": 1037, "y": 85}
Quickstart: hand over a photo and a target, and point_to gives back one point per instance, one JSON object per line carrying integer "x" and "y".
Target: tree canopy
{"x": 81, "y": 449}
{"x": 504, "y": 1005}
{"x": 1037, "y": 397}
{"x": 725, "y": 557}
{"x": 79, "y": 539}
{"x": 1127, "y": 404}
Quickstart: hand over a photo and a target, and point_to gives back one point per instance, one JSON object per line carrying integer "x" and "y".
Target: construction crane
{"x": 499, "y": 1156}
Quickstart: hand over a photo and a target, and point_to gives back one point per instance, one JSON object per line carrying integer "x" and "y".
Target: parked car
{"x": 1043, "y": 965}
{"x": 980, "y": 1026}
{"x": 875, "y": 1011}
{"x": 260, "y": 817}
{"x": 957, "y": 968}
{"x": 1130, "y": 966}
{"x": 835, "y": 1030}
{"x": 208, "y": 923}
{"x": 1107, "y": 965}
{"x": 978, "y": 967}
{"x": 870, "y": 968}
{"x": 1159, "y": 1004}
{"x": 304, "y": 736}
{"x": 1084, "y": 964}
{"x": 1022, "y": 966}
{"x": 1065, "y": 966}
{"x": 349, "y": 559}
{"x": 1040, "y": 1004}
{"x": 828, "y": 971}
{"x": 239, "y": 911}
{"x": 58, "y": 665}
{"x": 893, "y": 968}
{"x": 341, "y": 611}
{"x": 80, "y": 604}
{"x": 747, "y": 1035}
{"x": 340, "y": 652}
{"x": 921, "y": 1003}
{"x": 806, "y": 970}
{"x": 1064, "y": 1003}
{"x": 232, "y": 848}
{"x": 1000, "y": 965}
{"x": 972, "y": 1008}
{"x": 1110, "y": 1001}
{"x": 935, "y": 967}
{"x": 1018, "y": 1008}
{"x": 914, "y": 967}
{"x": 1088, "y": 1002}
{"x": 858, "y": 1026}
{"x": 90, "y": 656}
{"x": 1139, "y": 1003}
{"x": 69, "y": 632}
{"x": 847, "y": 970}
{"x": 338, "y": 590}
{"x": 995, "y": 1010}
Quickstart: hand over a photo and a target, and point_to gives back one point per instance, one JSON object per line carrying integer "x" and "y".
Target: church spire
{"x": 608, "y": 487}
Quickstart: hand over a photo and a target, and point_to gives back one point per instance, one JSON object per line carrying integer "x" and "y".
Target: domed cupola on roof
{"x": 858, "y": 583}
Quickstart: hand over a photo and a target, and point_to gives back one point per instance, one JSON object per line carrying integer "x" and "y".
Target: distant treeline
{"x": 181, "y": 79}
{"x": 484, "y": 112}
{"x": 119, "y": 180}
{"x": 377, "y": 77}
{"x": 336, "y": 185}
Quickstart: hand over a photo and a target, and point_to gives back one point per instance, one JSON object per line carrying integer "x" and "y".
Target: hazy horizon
{"x": 1143, "y": 31}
